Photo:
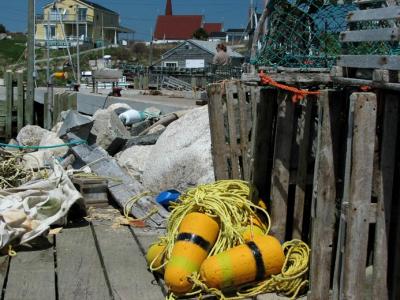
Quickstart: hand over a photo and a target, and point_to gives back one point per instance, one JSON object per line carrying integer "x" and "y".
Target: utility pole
{"x": 78, "y": 65}
{"x": 49, "y": 81}
{"x": 102, "y": 34}
{"x": 48, "y": 33}
{"x": 30, "y": 89}
{"x": 151, "y": 49}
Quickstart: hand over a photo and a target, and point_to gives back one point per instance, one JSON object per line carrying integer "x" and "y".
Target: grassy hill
{"x": 11, "y": 51}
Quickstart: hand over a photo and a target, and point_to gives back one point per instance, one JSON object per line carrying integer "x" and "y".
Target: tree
{"x": 200, "y": 34}
{"x": 3, "y": 29}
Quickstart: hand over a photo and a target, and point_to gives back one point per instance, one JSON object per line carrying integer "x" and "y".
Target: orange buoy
{"x": 154, "y": 254}
{"x": 197, "y": 235}
{"x": 253, "y": 261}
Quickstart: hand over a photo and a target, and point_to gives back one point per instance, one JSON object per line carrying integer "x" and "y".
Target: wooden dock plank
{"x": 125, "y": 264}
{"x": 323, "y": 203}
{"x": 79, "y": 270}
{"x": 9, "y": 103}
{"x": 360, "y": 195}
{"x": 32, "y": 273}
{"x": 20, "y": 100}
{"x": 281, "y": 168}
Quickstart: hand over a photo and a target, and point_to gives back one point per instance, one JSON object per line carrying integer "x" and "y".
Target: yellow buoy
{"x": 155, "y": 258}
{"x": 197, "y": 235}
{"x": 253, "y": 261}
{"x": 253, "y": 230}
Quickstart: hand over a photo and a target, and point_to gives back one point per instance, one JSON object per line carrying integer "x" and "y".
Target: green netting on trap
{"x": 303, "y": 34}
{"x": 306, "y": 34}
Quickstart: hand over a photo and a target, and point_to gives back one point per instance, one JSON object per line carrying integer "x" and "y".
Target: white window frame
{"x": 176, "y": 63}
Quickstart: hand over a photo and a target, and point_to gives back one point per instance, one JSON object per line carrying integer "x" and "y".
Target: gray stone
{"x": 76, "y": 123}
{"x": 149, "y": 139}
{"x": 119, "y": 108}
{"x": 31, "y": 135}
{"x": 181, "y": 157}
{"x": 109, "y": 132}
{"x": 152, "y": 111}
{"x": 52, "y": 139}
{"x": 139, "y": 127}
{"x": 134, "y": 160}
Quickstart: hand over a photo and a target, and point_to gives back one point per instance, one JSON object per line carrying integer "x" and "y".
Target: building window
{"x": 171, "y": 64}
{"x": 82, "y": 14}
{"x": 50, "y": 34}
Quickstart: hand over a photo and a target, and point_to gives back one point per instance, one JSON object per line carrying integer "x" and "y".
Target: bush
{"x": 3, "y": 29}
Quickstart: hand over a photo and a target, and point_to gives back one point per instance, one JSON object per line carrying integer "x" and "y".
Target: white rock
{"x": 116, "y": 106}
{"x": 109, "y": 130}
{"x": 52, "y": 139}
{"x": 57, "y": 128}
{"x": 181, "y": 157}
{"x": 157, "y": 129}
{"x": 134, "y": 159}
{"x": 31, "y": 135}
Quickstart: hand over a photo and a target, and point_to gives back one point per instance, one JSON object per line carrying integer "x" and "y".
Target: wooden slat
{"x": 371, "y": 35}
{"x": 218, "y": 141}
{"x": 20, "y": 100}
{"x": 323, "y": 202}
{"x": 261, "y": 144}
{"x": 46, "y": 112}
{"x": 9, "y": 103}
{"x": 231, "y": 105}
{"x": 374, "y": 14}
{"x": 32, "y": 272}
{"x": 79, "y": 269}
{"x": 244, "y": 133}
{"x": 56, "y": 108}
{"x": 389, "y": 62}
{"x": 125, "y": 264}
{"x": 360, "y": 195}
{"x": 281, "y": 167}
{"x": 73, "y": 101}
{"x": 304, "y": 144}
{"x": 387, "y": 164}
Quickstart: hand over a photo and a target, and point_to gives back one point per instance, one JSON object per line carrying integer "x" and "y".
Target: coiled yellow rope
{"x": 228, "y": 201}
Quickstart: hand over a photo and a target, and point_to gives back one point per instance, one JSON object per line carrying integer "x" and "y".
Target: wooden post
{"x": 233, "y": 147}
{"x": 385, "y": 195}
{"x": 218, "y": 140}
{"x": 64, "y": 102}
{"x": 301, "y": 183}
{"x": 194, "y": 83}
{"x": 261, "y": 142}
{"x": 46, "y": 112}
{"x": 9, "y": 102}
{"x": 136, "y": 83}
{"x": 20, "y": 101}
{"x": 56, "y": 108}
{"x": 358, "y": 212}
{"x": 281, "y": 168}
{"x": 73, "y": 101}
{"x": 141, "y": 82}
{"x": 323, "y": 211}
{"x": 146, "y": 82}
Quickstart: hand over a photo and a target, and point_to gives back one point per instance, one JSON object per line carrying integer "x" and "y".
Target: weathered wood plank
{"x": 32, "y": 272}
{"x": 20, "y": 100}
{"x": 360, "y": 195}
{"x": 261, "y": 145}
{"x": 125, "y": 264}
{"x": 79, "y": 270}
{"x": 371, "y": 35}
{"x": 46, "y": 112}
{"x": 384, "y": 204}
{"x": 281, "y": 167}
{"x": 304, "y": 145}
{"x": 73, "y": 101}
{"x": 232, "y": 104}
{"x": 374, "y": 14}
{"x": 389, "y": 62}
{"x": 9, "y": 102}
{"x": 323, "y": 202}
{"x": 56, "y": 108}
{"x": 243, "y": 120}
{"x": 218, "y": 140}
{"x": 358, "y": 82}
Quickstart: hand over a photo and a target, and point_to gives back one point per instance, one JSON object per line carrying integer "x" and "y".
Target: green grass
{"x": 11, "y": 50}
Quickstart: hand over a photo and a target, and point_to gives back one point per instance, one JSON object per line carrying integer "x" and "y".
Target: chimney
{"x": 168, "y": 8}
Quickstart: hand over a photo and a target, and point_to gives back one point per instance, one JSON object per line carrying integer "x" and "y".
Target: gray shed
{"x": 195, "y": 54}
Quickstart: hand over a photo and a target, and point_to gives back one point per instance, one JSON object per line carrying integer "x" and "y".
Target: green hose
{"x": 72, "y": 143}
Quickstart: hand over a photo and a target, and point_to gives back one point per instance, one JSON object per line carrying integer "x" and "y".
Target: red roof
{"x": 177, "y": 27}
{"x": 212, "y": 27}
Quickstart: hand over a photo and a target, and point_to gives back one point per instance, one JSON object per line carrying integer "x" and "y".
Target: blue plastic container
{"x": 166, "y": 197}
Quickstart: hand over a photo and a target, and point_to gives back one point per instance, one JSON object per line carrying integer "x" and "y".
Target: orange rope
{"x": 298, "y": 94}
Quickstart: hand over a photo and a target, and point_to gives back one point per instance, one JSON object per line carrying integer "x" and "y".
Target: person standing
{"x": 221, "y": 58}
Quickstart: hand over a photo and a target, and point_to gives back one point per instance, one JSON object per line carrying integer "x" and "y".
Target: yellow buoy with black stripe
{"x": 197, "y": 235}
{"x": 253, "y": 261}
{"x": 155, "y": 257}
{"x": 255, "y": 228}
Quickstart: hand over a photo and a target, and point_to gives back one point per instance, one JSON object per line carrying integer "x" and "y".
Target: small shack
{"x": 195, "y": 54}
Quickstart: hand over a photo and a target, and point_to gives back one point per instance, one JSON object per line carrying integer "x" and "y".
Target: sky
{"x": 140, "y": 15}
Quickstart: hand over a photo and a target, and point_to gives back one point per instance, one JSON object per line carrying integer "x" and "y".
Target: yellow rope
{"x": 131, "y": 202}
{"x": 11, "y": 252}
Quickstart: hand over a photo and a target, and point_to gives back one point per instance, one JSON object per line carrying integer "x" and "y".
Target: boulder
{"x": 31, "y": 135}
{"x": 109, "y": 132}
{"x": 134, "y": 160}
{"x": 77, "y": 124}
{"x": 119, "y": 108}
{"x": 56, "y": 128}
{"x": 149, "y": 139}
{"x": 53, "y": 139}
{"x": 140, "y": 127}
{"x": 181, "y": 157}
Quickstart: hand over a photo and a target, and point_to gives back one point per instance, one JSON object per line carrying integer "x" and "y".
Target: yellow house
{"x": 60, "y": 19}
